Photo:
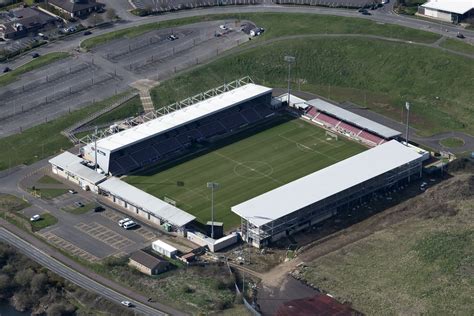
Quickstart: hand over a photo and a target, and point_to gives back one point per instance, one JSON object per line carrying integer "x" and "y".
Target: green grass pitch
{"x": 246, "y": 168}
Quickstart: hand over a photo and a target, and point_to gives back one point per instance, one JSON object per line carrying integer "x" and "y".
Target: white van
{"x": 129, "y": 224}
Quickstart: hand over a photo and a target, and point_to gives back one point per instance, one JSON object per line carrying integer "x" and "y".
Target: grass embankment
{"x": 280, "y": 24}
{"x": 373, "y": 73}
{"x": 41, "y": 61}
{"x": 80, "y": 210}
{"x": 422, "y": 265}
{"x": 48, "y": 180}
{"x": 246, "y": 166}
{"x": 47, "y": 193}
{"x": 46, "y": 220}
{"x": 458, "y": 45}
{"x": 44, "y": 140}
{"x": 452, "y": 142}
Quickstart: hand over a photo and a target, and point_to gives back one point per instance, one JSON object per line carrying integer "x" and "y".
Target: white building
{"x": 164, "y": 248}
{"x": 448, "y": 10}
{"x": 74, "y": 169}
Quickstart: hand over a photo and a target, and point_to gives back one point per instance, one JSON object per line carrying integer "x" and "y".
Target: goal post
{"x": 331, "y": 135}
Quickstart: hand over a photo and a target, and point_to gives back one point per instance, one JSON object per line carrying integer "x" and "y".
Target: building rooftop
{"x": 147, "y": 202}
{"x": 181, "y": 117}
{"x": 353, "y": 118}
{"x": 74, "y": 164}
{"x": 146, "y": 259}
{"x": 324, "y": 183}
{"x": 453, "y": 6}
{"x": 164, "y": 245}
{"x": 75, "y": 6}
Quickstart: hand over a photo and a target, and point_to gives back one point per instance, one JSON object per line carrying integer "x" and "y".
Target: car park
{"x": 123, "y": 221}
{"x": 129, "y": 224}
{"x": 126, "y": 303}
{"x": 35, "y": 218}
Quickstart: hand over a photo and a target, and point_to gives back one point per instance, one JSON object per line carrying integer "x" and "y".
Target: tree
{"x": 5, "y": 285}
{"x": 60, "y": 309}
{"x": 111, "y": 14}
{"x": 39, "y": 283}
{"x": 24, "y": 277}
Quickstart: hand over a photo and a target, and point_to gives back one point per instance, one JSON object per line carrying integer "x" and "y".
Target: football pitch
{"x": 246, "y": 168}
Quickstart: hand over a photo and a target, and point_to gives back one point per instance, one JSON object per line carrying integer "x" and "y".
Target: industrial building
{"x": 164, "y": 248}
{"x": 148, "y": 264}
{"x": 454, "y": 11}
{"x": 320, "y": 195}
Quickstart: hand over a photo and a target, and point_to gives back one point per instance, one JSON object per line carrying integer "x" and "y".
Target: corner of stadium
{"x": 261, "y": 164}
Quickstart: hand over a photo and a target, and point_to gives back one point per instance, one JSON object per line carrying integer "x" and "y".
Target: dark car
{"x": 361, "y": 10}
{"x": 98, "y": 209}
{"x": 35, "y": 55}
{"x": 6, "y": 69}
{"x": 460, "y": 35}
{"x": 366, "y": 13}
{"x": 87, "y": 33}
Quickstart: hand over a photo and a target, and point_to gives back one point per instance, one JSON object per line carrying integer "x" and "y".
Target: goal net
{"x": 331, "y": 136}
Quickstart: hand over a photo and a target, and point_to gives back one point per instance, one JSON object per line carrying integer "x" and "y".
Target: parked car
{"x": 423, "y": 186}
{"x": 98, "y": 208}
{"x": 129, "y": 224}
{"x": 385, "y": 1}
{"x": 72, "y": 191}
{"x": 78, "y": 204}
{"x": 123, "y": 221}
{"x": 126, "y": 303}
{"x": 223, "y": 27}
{"x": 87, "y": 33}
{"x": 460, "y": 35}
{"x": 172, "y": 37}
{"x": 35, "y": 55}
{"x": 35, "y": 218}
{"x": 366, "y": 13}
{"x": 6, "y": 69}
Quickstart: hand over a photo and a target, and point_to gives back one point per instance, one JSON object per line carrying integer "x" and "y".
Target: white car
{"x": 123, "y": 221}
{"x": 126, "y": 303}
{"x": 129, "y": 224}
{"x": 35, "y": 218}
{"x": 223, "y": 27}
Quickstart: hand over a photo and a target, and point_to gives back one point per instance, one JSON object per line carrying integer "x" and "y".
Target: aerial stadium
{"x": 277, "y": 164}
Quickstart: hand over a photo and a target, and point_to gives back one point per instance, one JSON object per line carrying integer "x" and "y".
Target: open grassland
{"x": 246, "y": 168}
{"x": 280, "y": 24}
{"x": 377, "y": 74}
{"x": 458, "y": 45}
{"x": 422, "y": 265}
{"x": 32, "y": 65}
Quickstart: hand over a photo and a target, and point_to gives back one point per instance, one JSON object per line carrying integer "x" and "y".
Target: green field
{"x": 245, "y": 168}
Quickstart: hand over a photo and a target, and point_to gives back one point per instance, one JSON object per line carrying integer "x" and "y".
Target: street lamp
{"x": 213, "y": 186}
{"x": 290, "y": 60}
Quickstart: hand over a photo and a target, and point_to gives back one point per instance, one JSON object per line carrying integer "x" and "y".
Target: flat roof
{"x": 356, "y": 119}
{"x": 324, "y": 183}
{"x": 182, "y": 116}
{"x": 453, "y": 6}
{"x": 147, "y": 202}
{"x": 164, "y": 245}
{"x": 74, "y": 164}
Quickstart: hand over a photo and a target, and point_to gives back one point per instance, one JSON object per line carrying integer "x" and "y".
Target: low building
{"x": 76, "y": 8}
{"x": 213, "y": 245}
{"x": 164, "y": 248}
{"x": 24, "y": 21}
{"x": 148, "y": 264}
{"x": 448, "y": 10}
{"x": 75, "y": 169}
{"x": 147, "y": 207}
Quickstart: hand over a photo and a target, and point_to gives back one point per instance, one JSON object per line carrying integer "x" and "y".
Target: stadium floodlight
{"x": 290, "y": 60}
{"x": 407, "y": 106}
{"x": 213, "y": 186}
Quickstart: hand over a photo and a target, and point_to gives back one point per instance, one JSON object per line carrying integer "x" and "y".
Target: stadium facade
{"x": 320, "y": 195}
{"x": 173, "y": 134}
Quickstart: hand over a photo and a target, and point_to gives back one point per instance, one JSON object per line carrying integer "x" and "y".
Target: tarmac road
{"x": 72, "y": 275}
